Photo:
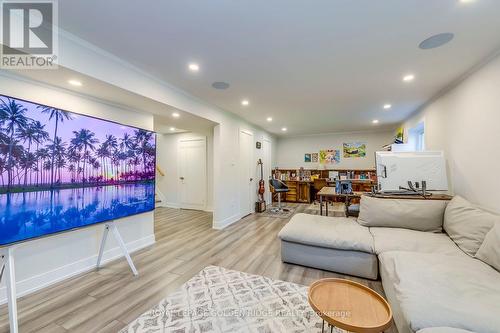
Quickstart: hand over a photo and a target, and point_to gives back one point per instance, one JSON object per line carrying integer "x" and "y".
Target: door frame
{"x": 241, "y": 131}
{"x": 179, "y": 173}
{"x": 267, "y": 143}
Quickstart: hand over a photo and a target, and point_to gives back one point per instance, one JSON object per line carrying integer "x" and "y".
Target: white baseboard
{"x": 218, "y": 225}
{"x": 172, "y": 204}
{"x": 46, "y": 279}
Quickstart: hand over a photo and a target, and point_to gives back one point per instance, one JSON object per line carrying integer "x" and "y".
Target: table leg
{"x": 323, "y": 327}
{"x": 320, "y": 205}
{"x": 326, "y": 207}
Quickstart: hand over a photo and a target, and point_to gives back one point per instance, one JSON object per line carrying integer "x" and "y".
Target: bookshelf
{"x": 301, "y": 181}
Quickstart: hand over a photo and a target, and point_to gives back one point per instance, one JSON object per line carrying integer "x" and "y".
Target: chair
{"x": 318, "y": 184}
{"x": 278, "y": 187}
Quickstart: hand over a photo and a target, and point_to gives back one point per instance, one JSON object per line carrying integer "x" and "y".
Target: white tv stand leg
{"x": 112, "y": 226}
{"x": 8, "y": 270}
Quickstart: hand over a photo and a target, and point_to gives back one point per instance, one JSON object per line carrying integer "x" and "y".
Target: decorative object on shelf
{"x": 333, "y": 175}
{"x": 354, "y": 149}
{"x": 330, "y": 156}
{"x": 258, "y": 145}
{"x": 314, "y": 157}
{"x": 400, "y": 135}
{"x": 307, "y": 158}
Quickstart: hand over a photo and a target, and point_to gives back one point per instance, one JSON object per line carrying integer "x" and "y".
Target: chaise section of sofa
{"x": 429, "y": 290}
{"x": 339, "y": 244}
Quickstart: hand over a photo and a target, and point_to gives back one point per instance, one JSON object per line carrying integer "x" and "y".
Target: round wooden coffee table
{"x": 350, "y": 306}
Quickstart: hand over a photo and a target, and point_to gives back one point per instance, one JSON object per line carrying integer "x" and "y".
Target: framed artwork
{"x": 314, "y": 157}
{"x": 399, "y": 137}
{"x": 354, "y": 149}
{"x": 330, "y": 156}
{"x": 307, "y": 158}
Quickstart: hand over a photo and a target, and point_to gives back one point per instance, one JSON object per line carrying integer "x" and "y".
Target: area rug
{"x": 282, "y": 215}
{"x": 222, "y": 300}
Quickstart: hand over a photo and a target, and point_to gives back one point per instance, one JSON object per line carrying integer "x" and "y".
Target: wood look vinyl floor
{"x": 106, "y": 300}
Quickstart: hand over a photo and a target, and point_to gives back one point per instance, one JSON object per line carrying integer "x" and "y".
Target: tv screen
{"x": 61, "y": 170}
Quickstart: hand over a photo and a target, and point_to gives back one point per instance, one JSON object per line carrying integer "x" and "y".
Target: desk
{"x": 330, "y": 192}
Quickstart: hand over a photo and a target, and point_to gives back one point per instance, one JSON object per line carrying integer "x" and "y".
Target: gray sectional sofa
{"x": 439, "y": 261}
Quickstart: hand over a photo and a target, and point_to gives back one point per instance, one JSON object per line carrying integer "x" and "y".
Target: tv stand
{"x": 112, "y": 226}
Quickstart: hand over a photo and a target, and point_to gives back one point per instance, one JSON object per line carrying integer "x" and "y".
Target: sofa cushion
{"x": 489, "y": 252}
{"x": 332, "y": 232}
{"x": 437, "y": 290}
{"x": 396, "y": 239}
{"x": 467, "y": 224}
{"x": 443, "y": 330}
{"x": 422, "y": 215}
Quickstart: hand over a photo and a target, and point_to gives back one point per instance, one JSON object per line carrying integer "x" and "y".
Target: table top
{"x": 330, "y": 191}
{"x": 350, "y": 305}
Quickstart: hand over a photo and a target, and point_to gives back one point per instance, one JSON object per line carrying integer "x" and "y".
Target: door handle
{"x": 181, "y": 178}
{"x": 251, "y": 179}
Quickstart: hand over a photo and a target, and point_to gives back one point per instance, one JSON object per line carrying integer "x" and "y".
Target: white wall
{"x": 291, "y": 150}
{"x": 167, "y": 160}
{"x": 45, "y": 261}
{"x": 227, "y": 169}
{"x": 83, "y": 57}
{"x": 465, "y": 123}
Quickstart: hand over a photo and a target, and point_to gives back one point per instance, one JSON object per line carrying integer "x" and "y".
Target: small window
{"x": 420, "y": 146}
{"x": 417, "y": 137}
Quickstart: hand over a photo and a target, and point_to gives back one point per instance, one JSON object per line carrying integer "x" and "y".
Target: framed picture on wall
{"x": 329, "y": 156}
{"x": 314, "y": 157}
{"x": 307, "y": 158}
{"x": 354, "y": 149}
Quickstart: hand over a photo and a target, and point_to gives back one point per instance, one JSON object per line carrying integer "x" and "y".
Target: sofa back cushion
{"x": 467, "y": 224}
{"x": 489, "y": 252}
{"x": 421, "y": 215}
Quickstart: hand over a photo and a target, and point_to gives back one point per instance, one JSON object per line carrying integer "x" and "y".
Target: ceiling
{"x": 164, "y": 122}
{"x": 313, "y": 66}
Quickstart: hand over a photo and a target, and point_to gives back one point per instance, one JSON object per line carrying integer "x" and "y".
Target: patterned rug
{"x": 222, "y": 300}
{"x": 282, "y": 215}
{"x": 336, "y": 209}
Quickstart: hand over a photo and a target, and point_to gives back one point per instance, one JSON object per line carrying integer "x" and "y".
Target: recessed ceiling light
{"x": 375, "y": 121}
{"x": 75, "y": 83}
{"x": 172, "y": 129}
{"x": 408, "y": 78}
{"x": 387, "y": 106}
{"x": 175, "y": 115}
{"x": 193, "y": 67}
{"x": 220, "y": 85}
{"x": 245, "y": 102}
{"x": 467, "y": 1}
{"x": 284, "y": 129}
{"x": 269, "y": 119}
{"x": 436, "y": 41}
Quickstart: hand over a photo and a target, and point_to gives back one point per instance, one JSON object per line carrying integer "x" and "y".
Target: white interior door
{"x": 266, "y": 153}
{"x": 247, "y": 170}
{"x": 192, "y": 172}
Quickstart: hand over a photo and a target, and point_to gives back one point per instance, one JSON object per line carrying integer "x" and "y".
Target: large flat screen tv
{"x": 61, "y": 170}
